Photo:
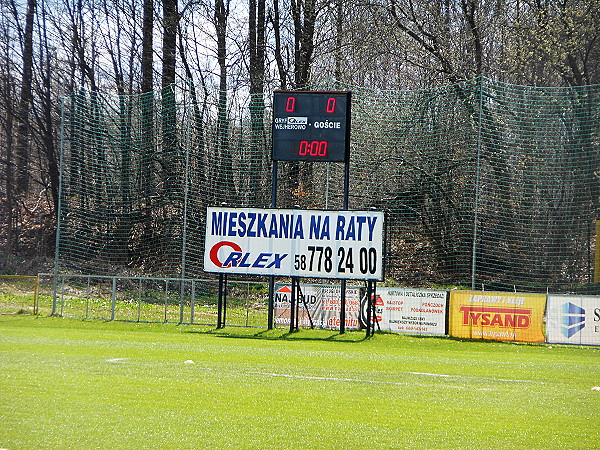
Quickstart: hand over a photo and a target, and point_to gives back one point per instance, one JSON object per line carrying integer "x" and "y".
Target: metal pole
{"x": 36, "y": 290}
{"x": 88, "y": 294}
{"x": 220, "y": 302}
{"x": 193, "y": 305}
{"x": 375, "y": 321}
{"x": 271, "y": 307}
{"x": 327, "y": 186}
{"x": 58, "y": 213}
{"x": 139, "y": 311}
{"x": 181, "y": 300}
{"x": 343, "y": 282}
{"x": 166, "y": 298}
{"x": 113, "y": 298}
{"x": 224, "y": 299}
{"x": 478, "y": 173}
{"x": 185, "y": 210}
{"x": 369, "y": 308}
{"x": 62, "y": 295}
{"x": 274, "y": 185}
{"x": 293, "y": 306}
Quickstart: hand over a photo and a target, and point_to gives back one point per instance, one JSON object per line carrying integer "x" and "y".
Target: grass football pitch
{"x": 91, "y": 384}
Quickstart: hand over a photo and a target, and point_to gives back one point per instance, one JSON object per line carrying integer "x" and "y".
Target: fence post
{"x": 185, "y": 203}
{"x": 58, "y": 212}
{"x": 36, "y": 290}
{"x": 478, "y": 173}
{"x": 181, "y": 300}
{"x": 193, "y": 302}
{"x": 166, "y": 298}
{"x": 113, "y": 298}
{"x": 139, "y": 305}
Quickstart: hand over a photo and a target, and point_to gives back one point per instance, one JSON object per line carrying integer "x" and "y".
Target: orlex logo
{"x": 297, "y": 120}
{"x": 227, "y": 254}
{"x": 572, "y": 319}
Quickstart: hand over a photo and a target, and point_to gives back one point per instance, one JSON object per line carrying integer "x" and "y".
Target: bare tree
{"x": 304, "y": 15}
{"x": 147, "y": 47}
{"x": 23, "y": 126}
{"x": 8, "y": 97}
{"x": 275, "y": 19}
{"x": 256, "y": 49}
{"x": 221, "y": 16}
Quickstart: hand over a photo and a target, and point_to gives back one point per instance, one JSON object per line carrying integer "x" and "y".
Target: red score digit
{"x": 330, "y": 108}
{"x": 290, "y": 104}
{"x": 322, "y": 148}
{"x": 303, "y": 148}
{"x": 314, "y": 148}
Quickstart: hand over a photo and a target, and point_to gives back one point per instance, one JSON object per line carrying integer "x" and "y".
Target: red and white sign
{"x": 298, "y": 243}
{"x": 319, "y": 306}
{"x": 413, "y": 311}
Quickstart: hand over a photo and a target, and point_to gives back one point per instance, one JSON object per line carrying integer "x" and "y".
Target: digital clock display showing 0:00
{"x": 311, "y": 126}
{"x": 314, "y": 148}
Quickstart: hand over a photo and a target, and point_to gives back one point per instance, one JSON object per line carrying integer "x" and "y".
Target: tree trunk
{"x": 222, "y": 144}
{"x": 304, "y": 16}
{"x": 171, "y": 164}
{"x": 257, "y": 46}
{"x": 7, "y": 92}
{"x": 147, "y": 50}
{"x": 147, "y": 107}
{"x": 22, "y": 150}
{"x": 46, "y": 121}
{"x": 275, "y": 20}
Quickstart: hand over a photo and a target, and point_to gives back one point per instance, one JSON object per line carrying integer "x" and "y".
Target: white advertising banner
{"x": 414, "y": 311}
{"x": 573, "y": 319}
{"x": 319, "y": 306}
{"x": 297, "y": 243}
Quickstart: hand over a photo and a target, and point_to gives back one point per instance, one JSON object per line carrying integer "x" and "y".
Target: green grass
{"x": 245, "y": 310}
{"x": 89, "y": 384}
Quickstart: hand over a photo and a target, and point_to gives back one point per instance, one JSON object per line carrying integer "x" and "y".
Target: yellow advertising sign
{"x": 498, "y": 316}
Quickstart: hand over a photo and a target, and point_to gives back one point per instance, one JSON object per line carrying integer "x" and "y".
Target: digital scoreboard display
{"x": 311, "y": 126}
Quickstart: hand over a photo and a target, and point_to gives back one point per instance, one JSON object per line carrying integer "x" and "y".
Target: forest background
{"x": 50, "y": 48}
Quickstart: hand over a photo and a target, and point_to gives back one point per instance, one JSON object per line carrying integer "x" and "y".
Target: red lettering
{"x": 509, "y": 320}
{"x": 497, "y": 320}
{"x": 523, "y": 321}
{"x": 496, "y": 317}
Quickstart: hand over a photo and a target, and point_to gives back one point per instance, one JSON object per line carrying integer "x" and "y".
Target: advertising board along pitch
{"x": 293, "y": 242}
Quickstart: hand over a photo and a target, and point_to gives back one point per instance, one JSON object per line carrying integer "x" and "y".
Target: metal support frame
{"x": 222, "y": 302}
{"x": 371, "y": 312}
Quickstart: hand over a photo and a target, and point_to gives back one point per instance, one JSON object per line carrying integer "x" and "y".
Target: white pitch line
{"x": 441, "y": 375}
{"x": 116, "y": 360}
{"x": 360, "y": 380}
{"x": 350, "y": 380}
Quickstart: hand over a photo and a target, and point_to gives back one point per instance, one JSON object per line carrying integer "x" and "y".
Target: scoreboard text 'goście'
{"x": 311, "y": 126}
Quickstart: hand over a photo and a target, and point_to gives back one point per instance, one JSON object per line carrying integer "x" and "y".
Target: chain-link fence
{"x": 483, "y": 183}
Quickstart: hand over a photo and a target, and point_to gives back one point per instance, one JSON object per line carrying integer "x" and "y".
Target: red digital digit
{"x": 290, "y": 105}
{"x": 303, "y": 148}
{"x": 322, "y": 148}
{"x": 330, "y": 105}
{"x": 314, "y": 148}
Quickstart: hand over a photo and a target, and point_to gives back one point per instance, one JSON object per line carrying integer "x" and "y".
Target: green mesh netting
{"x": 483, "y": 183}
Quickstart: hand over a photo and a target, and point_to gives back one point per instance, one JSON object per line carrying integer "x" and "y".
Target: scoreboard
{"x": 311, "y": 126}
